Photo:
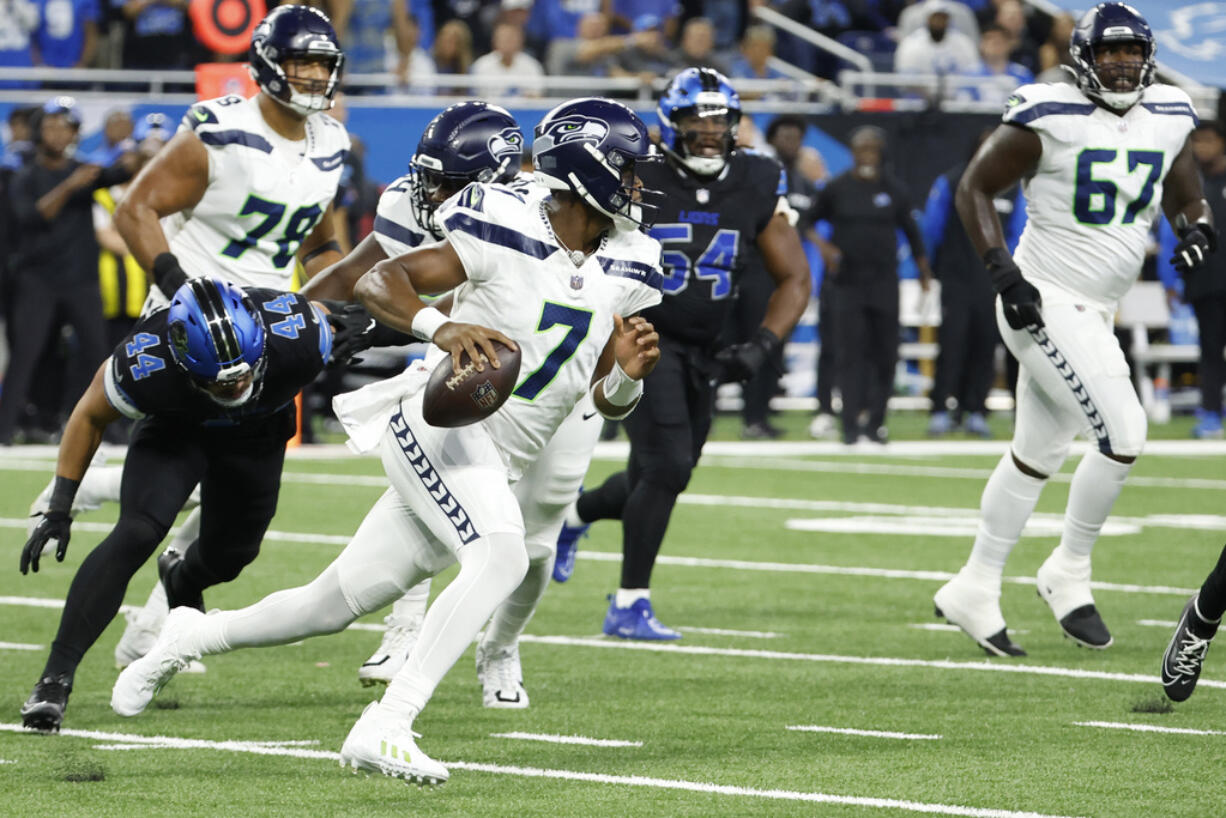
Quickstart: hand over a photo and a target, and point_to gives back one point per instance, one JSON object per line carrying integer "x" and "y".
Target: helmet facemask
{"x": 302, "y": 94}
{"x": 710, "y": 124}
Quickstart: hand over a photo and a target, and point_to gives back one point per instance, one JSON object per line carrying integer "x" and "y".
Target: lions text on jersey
{"x": 1097, "y": 189}
{"x": 263, "y": 198}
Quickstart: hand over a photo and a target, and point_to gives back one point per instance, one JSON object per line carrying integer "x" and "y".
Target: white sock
{"x": 628, "y": 596}
{"x": 411, "y": 608}
{"x": 187, "y": 533}
{"x": 1096, "y": 485}
{"x": 491, "y": 568}
{"x": 1007, "y": 502}
{"x": 514, "y": 614}
{"x": 573, "y": 520}
{"x": 156, "y": 603}
{"x": 99, "y": 485}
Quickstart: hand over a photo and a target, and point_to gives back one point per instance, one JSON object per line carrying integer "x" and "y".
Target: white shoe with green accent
{"x": 389, "y": 749}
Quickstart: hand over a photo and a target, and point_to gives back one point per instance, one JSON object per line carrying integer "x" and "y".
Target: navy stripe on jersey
{"x": 431, "y": 481}
{"x": 1050, "y": 109}
{"x": 1075, "y": 385}
{"x": 1172, "y": 109}
{"x": 325, "y": 334}
{"x": 326, "y": 163}
{"x": 235, "y": 137}
{"x": 636, "y": 270}
{"x": 502, "y": 236}
{"x": 397, "y": 232}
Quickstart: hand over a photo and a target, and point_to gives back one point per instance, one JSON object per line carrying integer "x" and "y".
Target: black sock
{"x": 648, "y": 509}
{"x": 1211, "y": 603}
{"x": 605, "y": 502}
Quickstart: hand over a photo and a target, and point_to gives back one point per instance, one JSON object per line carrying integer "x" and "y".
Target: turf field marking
{"x": 726, "y": 632}
{"x": 566, "y": 775}
{"x": 1149, "y": 728}
{"x": 851, "y": 731}
{"x": 552, "y": 739}
{"x": 921, "y": 526}
{"x": 939, "y": 626}
{"x": 1157, "y": 623}
{"x": 880, "y": 661}
{"x": 19, "y": 646}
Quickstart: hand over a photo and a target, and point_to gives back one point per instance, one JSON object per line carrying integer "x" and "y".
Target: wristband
{"x": 427, "y": 321}
{"x": 1002, "y": 268}
{"x": 168, "y": 275}
{"x": 62, "y": 495}
{"x": 620, "y": 389}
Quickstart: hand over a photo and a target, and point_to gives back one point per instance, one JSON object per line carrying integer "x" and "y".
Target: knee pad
{"x": 540, "y": 549}
{"x": 671, "y": 474}
{"x": 139, "y": 532}
{"x": 1044, "y": 457}
{"x": 1127, "y": 427}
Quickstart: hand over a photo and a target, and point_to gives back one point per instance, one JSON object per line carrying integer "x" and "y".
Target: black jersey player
{"x": 212, "y": 379}
{"x": 719, "y": 206}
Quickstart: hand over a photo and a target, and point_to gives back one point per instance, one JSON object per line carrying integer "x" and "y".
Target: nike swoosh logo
{"x": 589, "y": 415}
{"x": 200, "y": 115}
{"x": 624, "y": 631}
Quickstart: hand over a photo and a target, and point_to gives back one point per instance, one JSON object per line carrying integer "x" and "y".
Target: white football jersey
{"x": 263, "y": 197}
{"x": 1097, "y": 188}
{"x": 524, "y": 284}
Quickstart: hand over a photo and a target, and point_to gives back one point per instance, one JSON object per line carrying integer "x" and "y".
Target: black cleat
{"x": 1185, "y": 654}
{"x": 167, "y": 563}
{"x": 44, "y": 710}
{"x": 998, "y": 644}
{"x": 1085, "y": 627}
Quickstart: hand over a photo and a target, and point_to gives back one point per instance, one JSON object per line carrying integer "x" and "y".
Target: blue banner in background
{"x": 1191, "y": 37}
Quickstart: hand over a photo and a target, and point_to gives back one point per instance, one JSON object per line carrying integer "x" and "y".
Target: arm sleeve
{"x": 1167, "y": 274}
{"x": 936, "y": 214}
{"x": 1017, "y": 222}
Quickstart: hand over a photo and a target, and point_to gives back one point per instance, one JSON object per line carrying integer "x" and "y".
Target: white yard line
{"x": 726, "y": 632}
{"x": 945, "y": 627}
{"x": 258, "y": 748}
{"x": 552, "y": 739}
{"x": 989, "y": 666}
{"x": 19, "y": 646}
{"x": 851, "y": 731}
{"x": 1149, "y": 728}
{"x": 1157, "y": 623}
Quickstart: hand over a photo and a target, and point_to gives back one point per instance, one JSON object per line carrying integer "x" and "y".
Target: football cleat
{"x": 568, "y": 547}
{"x": 143, "y": 679}
{"x": 976, "y": 611}
{"x": 977, "y": 426}
{"x": 167, "y": 563}
{"x": 823, "y": 427}
{"x": 398, "y": 641}
{"x": 501, "y": 677}
{"x": 1185, "y": 654}
{"x": 144, "y": 625}
{"x": 1068, "y": 595}
{"x": 44, "y": 710}
{"x": 940, "y": 424}
{"x": 636, "y": 622}
{"x": 389, "y": 750}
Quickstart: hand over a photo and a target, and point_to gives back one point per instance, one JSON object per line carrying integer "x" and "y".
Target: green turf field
{"x": 804, "y": 584}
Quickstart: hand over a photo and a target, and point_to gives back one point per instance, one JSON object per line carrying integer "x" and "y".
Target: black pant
{"x": 39, "y": 309}
{"x": 866, "y": 350}
{"x": 825, "y": 356}
{"x": 1211, "y": 319}
{"x": 753, "y": 294}
{"x": 968, "y": 337}
{"x": 239, "y": 472}
{"x": 667, "y": 431}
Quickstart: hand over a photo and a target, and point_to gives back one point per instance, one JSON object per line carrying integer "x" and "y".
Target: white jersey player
{"x": 556, "y": 271}
{"x": 462, "y": 144}
{"x": 1098, "y": 160}
{"x": 242, "y": 192}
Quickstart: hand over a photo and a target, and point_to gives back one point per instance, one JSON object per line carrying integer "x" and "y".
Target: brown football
{"x": 467, "y": 396}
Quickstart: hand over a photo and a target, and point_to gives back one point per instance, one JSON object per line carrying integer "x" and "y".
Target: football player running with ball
{"x": 1098, "y": 160}
{"x": 555, "y": 267}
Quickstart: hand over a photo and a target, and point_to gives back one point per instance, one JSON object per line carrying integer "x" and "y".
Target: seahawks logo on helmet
{"x": 575, "y": 129}
{"x": 508, "y": 142}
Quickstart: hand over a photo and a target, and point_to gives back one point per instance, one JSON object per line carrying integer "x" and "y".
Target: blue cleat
{"x": 939, "y": 424}
{"x": 1208, "y": 426}
{"x": 568, "y": 546}
{"x": 636, "y": 622}
{"x": 977, "y": 426}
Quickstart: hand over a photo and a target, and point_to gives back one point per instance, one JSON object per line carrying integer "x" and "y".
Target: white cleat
{"x": 390, "y": 750}
{"x": 144, "y": 625}
{"x": 1066, "y": 590}
{"x": 140, "y": 681}
{"x": 976, "y": 610}
{"x": 823, "y": 427}
{"x": 398, "y": 641}
{"x": 501, "y": 677}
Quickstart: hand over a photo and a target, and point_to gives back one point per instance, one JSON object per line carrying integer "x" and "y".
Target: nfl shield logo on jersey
{"x": 576, "y": 282}
{"x": 703, "y": 195}
{"x": 485, "y": 395}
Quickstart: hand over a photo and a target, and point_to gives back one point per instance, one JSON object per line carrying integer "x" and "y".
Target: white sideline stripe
{"x": 552, "y": 739}
{"x": 726, "y": 632}
{"x": 881, "y": 661}
{"x": 567, "y": 775}
{"x": 1157, "y": 623}
{"x": 937, "y": 626}
{"x": 7, "y": 761}
{"x": 1149, "y": 728}
{"x": 19, "y": 646}
{"x": 851, "y": 731}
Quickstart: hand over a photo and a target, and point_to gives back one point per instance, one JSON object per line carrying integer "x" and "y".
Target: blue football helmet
{"x": 1113, "y": 23}
{"x": 590, "y": 146}
{"x": 704, "y": 93}
{"x": 217, "y": 338}
{"x": 296, "y": 33}
{"x": 467, "y": 142}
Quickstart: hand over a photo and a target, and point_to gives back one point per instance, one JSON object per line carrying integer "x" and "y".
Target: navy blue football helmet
{"x": 217, "y": 338}
{"x": 1104, "y": 24}
{"x": 467, "y": 142}
{"x": 707, "y": 94}
{"x": 296, "y": 33}
{"x": 590, "y": 146}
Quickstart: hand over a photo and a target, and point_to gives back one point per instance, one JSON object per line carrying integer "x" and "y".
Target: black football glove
{"x": 354, "y": 330}
{"x": 740, "y": 362}
{"x": 55, "y": 525}
{"x": 1196, "y": 242}
{"x": 168, "y": 274}
{"x": 1019, "y": 298}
